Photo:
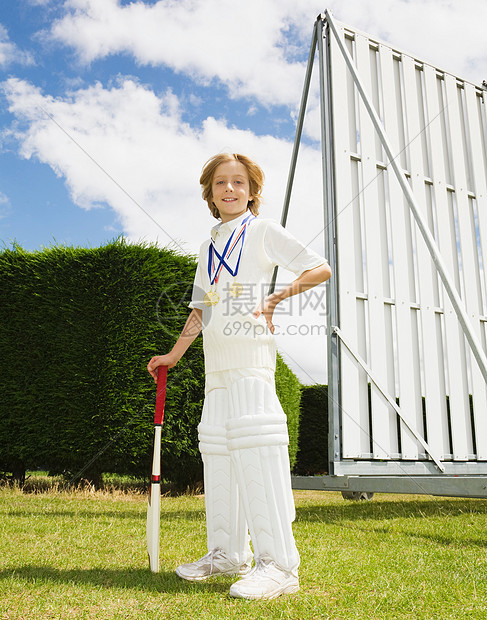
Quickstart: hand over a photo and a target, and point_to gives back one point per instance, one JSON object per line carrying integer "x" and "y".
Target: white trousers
{"x": 243, "y": 440}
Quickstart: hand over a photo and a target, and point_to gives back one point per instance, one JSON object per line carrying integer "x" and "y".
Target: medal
{"x": 236, "y": 289}
{"x": 211, "y": 298}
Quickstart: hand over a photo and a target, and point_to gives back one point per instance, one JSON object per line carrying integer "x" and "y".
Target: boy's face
{"x": 230, "y": 189}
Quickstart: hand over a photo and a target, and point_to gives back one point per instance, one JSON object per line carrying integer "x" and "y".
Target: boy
{"x": 243, "y": 434}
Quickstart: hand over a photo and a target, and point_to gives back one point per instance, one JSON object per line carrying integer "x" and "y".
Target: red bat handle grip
{"x": 161, "y": 394}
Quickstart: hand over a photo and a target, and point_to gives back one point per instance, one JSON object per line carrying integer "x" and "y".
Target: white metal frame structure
{"x": 405, "y": 193}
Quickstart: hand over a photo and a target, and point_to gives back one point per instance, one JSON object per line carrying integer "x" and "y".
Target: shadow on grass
{"x": 377, "y": 509}
{"x": 137, "y": 579}
{"x": 177, "y": 515}
{"x": 445, "y": 541}
{"x": 380, "y": 510}
{"x": 457, "y": 542}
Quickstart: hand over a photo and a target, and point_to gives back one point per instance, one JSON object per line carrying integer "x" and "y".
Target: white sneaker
{"x": 265, "y": 581}
{"x": 213, "y": 563}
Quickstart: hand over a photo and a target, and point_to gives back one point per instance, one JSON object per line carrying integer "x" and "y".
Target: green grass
{"x": 82, "y": 554}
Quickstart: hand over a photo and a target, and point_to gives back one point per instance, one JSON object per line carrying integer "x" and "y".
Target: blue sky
{"x": 109, "y": 108}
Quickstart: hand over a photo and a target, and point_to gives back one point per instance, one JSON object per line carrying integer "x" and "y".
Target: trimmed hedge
{"x": 312, "y": 456}
{"x": 288, "y": 389}
{"x": 77, "y": 328}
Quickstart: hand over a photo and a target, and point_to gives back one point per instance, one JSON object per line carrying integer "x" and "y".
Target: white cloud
{"x": 242, "y": 45}
{"x": 251, "y": 47}
{"x": 9, "y": 53}
{"x": 140, "y": 140}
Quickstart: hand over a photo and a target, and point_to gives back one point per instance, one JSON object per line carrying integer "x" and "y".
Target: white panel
{"x": 458, "y": 212}
{"x": 407, "y": 345}
{"x": 383, "y": 417}
{"x": 470, "y": 266}
{"x": 454, "y": 346}
{"x": 474, "y": 105}
{"x": 431, "y": 345}
{"x": 433, "y": 327}
{"x": 354, "y": 408}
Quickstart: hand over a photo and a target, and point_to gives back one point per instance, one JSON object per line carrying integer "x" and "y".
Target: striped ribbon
{"x": 214, "y": 271}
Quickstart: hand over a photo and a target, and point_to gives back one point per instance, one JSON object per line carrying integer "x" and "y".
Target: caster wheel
{"x": 357, "y": 496}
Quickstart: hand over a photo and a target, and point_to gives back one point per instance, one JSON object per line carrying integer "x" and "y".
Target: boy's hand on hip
{"x": 267, "y": 307}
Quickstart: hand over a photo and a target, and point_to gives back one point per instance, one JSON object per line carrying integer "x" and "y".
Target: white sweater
{"x": 232, "y": 337}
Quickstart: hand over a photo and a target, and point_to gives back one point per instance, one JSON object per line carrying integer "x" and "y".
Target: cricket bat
{"x": 154, "y": 505}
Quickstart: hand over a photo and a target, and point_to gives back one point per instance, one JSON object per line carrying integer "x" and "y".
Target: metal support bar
{"x": 329, "y": 207}
{"x": 449, "y": 285}
{"x": 389, "y": 399}
{"x": 297, "y": 140}
{"x": 450, "y": 486}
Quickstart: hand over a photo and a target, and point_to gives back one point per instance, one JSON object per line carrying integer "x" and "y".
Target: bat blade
{"x": 153, "y": 526}
{"x": 154, "y": 503}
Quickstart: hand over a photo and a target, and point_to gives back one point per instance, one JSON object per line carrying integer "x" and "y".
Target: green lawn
{"x": 82, "y": 555}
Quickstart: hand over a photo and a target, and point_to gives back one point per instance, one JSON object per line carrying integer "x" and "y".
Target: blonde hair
{"x": 256, "y": 180}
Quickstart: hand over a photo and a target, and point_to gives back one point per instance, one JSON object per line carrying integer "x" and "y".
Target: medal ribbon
{"x": 214, "y": 272}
